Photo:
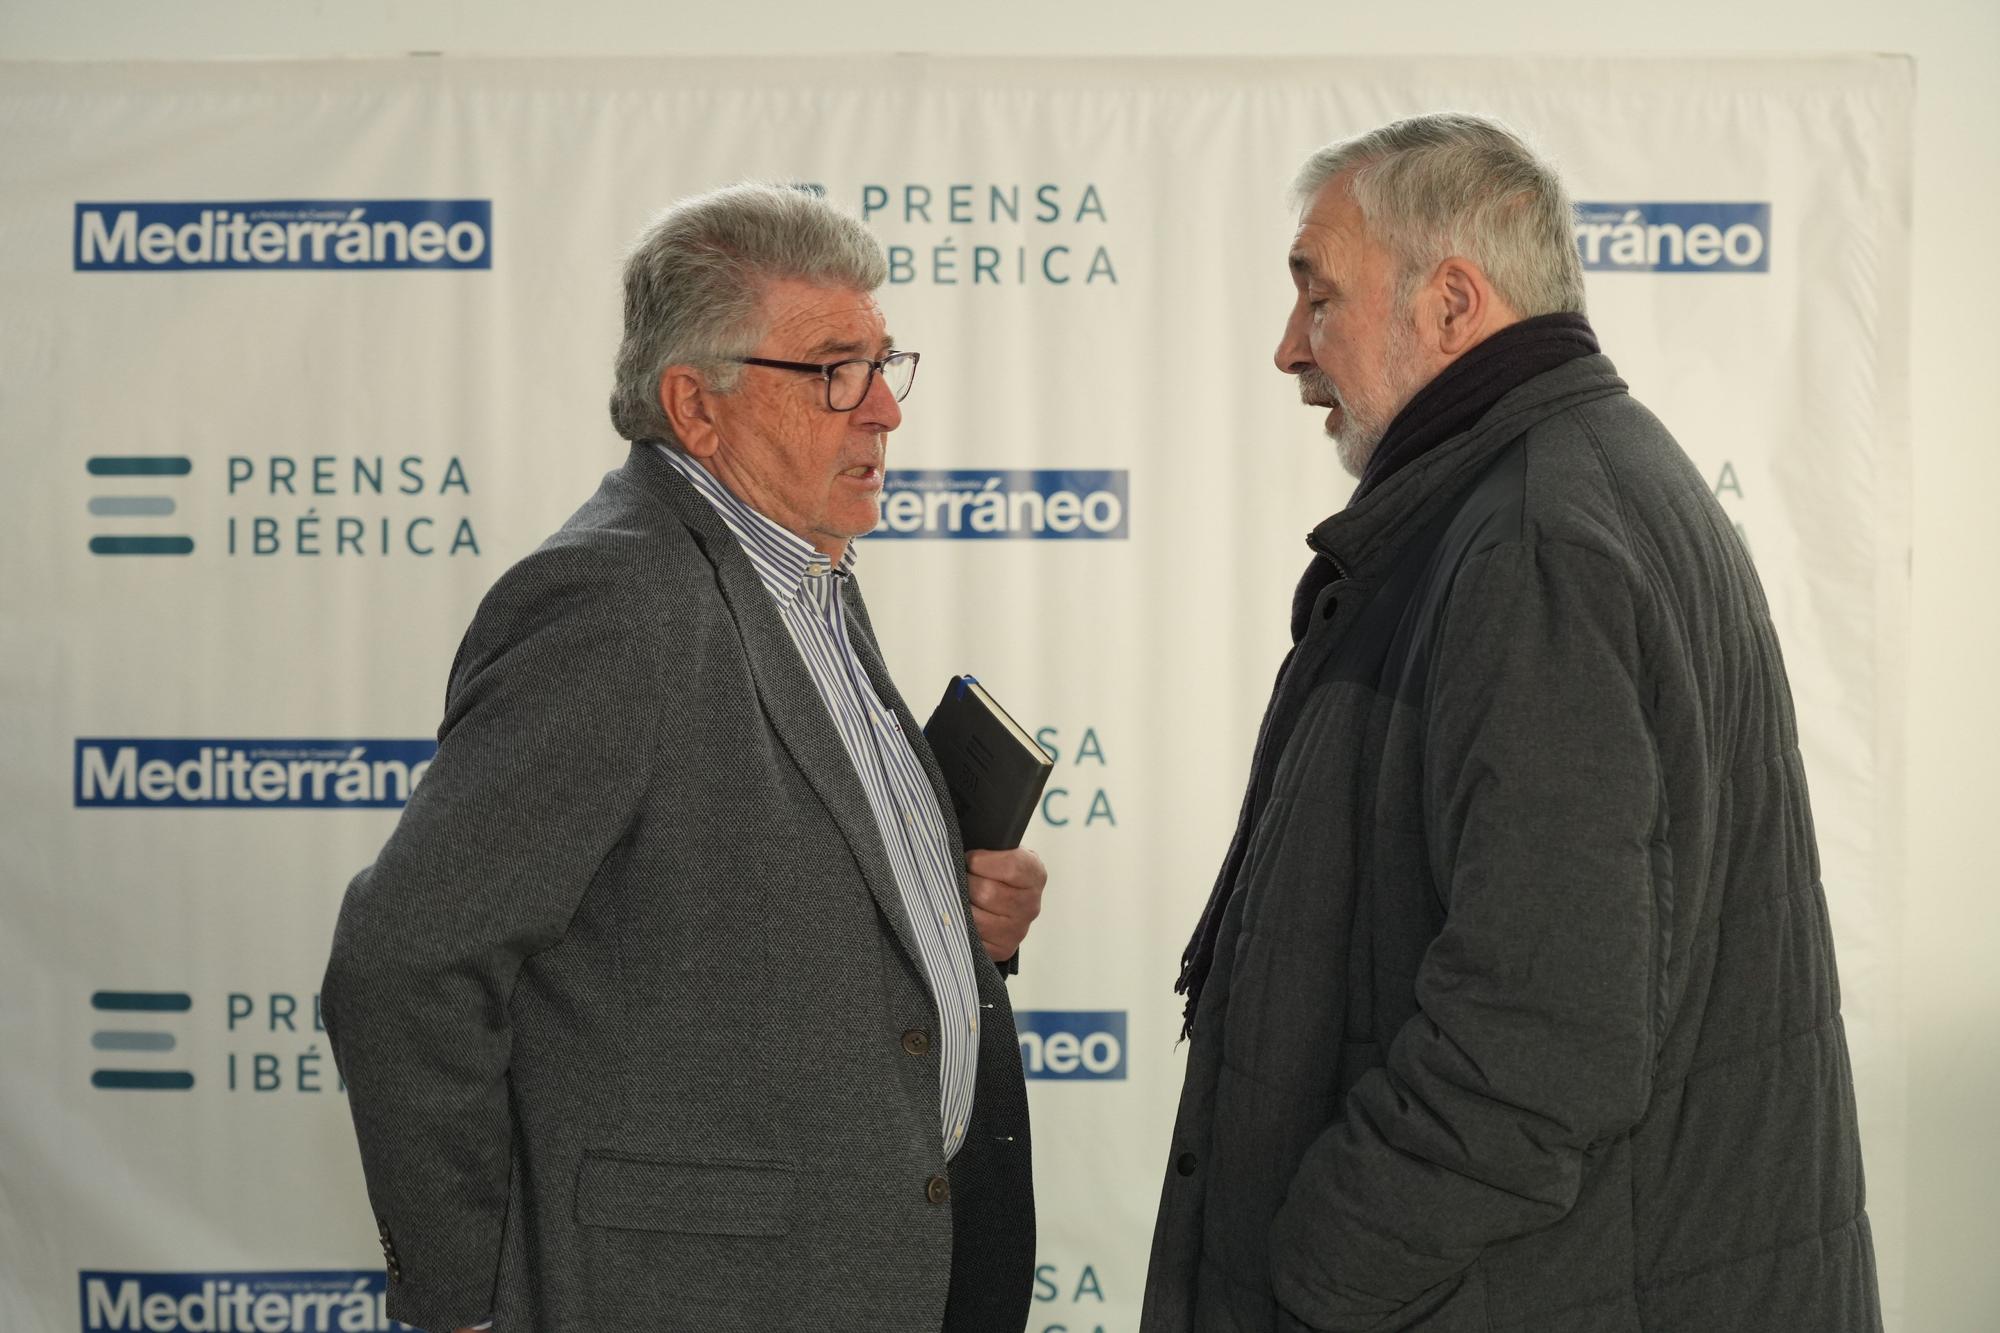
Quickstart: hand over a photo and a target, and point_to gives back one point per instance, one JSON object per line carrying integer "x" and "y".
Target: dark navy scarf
{"x": 1462, "y": 393}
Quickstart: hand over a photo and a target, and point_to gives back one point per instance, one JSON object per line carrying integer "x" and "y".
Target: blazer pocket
{"x": 738, "y": 1198}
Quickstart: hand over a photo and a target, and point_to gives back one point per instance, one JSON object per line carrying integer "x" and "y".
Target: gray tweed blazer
{"x": 628, "y": 1008}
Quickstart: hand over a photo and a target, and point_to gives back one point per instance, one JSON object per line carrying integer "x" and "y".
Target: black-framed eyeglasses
{"x": 848, "y": 382}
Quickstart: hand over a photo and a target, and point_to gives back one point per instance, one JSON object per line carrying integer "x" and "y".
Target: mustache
{"x": 1316, "y": 389}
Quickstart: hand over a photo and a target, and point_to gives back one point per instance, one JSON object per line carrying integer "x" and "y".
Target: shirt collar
{"x": 783, "y": 559}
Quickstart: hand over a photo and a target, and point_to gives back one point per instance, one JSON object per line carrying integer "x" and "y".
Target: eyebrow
{"x": 1301, "y": 264}
{"x": 836, "y": 347}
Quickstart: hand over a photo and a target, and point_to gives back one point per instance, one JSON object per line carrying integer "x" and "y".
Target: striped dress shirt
{"x": 805, "y": 587}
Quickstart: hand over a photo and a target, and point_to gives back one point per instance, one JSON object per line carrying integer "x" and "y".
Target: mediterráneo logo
{"x": 284, "y": 234}
{"x": 1674, "y": 238}
{"x": 1072, "y": 1045}
{"x": 154, "y": 773}
{"x": 1037, "y": 505}
{"x": 323, "y": 1301}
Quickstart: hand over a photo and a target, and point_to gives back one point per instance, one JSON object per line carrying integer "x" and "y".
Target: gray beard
{"x": 1360, "y": 432}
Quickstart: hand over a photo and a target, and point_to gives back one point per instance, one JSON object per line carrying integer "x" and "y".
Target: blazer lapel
{"x": 862, "y": 633}
{"x": 786, "y": 690}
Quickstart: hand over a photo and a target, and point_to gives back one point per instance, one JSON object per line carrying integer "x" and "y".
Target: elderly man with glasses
{"x": 674, "y": 1002}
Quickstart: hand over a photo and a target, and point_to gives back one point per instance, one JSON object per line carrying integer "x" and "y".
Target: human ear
{"x": 688, "y": 401}
{"x": 1464, "y": 301}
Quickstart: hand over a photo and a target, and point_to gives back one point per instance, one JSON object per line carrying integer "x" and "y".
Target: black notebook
{"x": 994, "y": 769}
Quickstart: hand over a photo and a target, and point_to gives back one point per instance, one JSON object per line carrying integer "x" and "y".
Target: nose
{"x": 879, "y": 410}
{"x": 1294, "y": 354}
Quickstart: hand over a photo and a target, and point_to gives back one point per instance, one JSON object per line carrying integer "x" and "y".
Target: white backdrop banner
{"x": 298, "y": 358}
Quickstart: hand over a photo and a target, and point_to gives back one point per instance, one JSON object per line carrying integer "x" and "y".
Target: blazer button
{"x": 390, "y": 1263}
{"x": 1185, "y": 1163}
{"x": 937, "y": 1189}
{"x": 917, "y": 1042}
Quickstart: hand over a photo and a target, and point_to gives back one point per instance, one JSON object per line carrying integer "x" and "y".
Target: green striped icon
{"x": 138, "y": 1040}
{"x": 135, "y": 466}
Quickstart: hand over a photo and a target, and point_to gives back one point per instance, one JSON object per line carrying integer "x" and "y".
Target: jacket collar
{"x": 1363, "y": 538}
{"x": 782, "y": 559}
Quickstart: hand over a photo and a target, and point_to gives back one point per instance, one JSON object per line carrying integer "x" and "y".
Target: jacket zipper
{"x": 1313, "y": 544}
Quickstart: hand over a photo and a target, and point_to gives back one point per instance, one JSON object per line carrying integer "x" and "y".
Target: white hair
{"x": 695, "y": 280}
{"x": 1453, "y": 184}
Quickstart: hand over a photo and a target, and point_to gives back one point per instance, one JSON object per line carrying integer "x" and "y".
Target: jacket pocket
{"x": 726, "y": 1198}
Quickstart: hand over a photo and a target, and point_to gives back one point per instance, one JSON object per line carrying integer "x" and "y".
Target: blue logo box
{"x": 1072, "y": 1044}
{"x": 318, "y": 1301}
{"x": 980, "y": 504}
{"x": 1674, "y": 238}
{"x": 159, "y": 773}
{"x": 284, "y": 234}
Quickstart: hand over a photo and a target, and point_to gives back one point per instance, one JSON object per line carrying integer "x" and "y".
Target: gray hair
{"x": 694, "y": 286}
{"x": 1452, "y": 184}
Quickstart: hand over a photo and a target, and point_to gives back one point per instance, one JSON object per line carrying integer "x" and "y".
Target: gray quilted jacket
{"x": 1523, "y": 1014}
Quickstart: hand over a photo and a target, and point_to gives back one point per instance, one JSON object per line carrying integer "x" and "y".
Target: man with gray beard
{"x": 1514, "y": 1005}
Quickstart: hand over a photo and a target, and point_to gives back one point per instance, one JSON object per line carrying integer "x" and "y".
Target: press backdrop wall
{"x": 253, "y": 500}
